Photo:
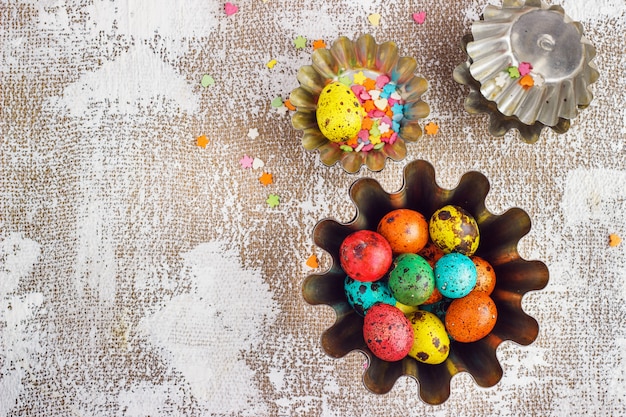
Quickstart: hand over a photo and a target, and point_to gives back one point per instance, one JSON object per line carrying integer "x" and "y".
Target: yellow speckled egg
{"x": 339, "y": 113}
{"x": 431, "y": 343}
{"x": 453, "y": 229}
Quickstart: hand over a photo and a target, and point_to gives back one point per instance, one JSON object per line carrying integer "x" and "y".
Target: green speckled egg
{"x": 339, "y": 113}
{"x": 411, "y": 279}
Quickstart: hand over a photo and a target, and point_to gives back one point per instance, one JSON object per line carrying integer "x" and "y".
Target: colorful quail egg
{"x": 405, "y": 229}
{"x": 387, "y": 332}
{"x": 411, "y": 279}
{"x": 485, "y": 275}
{"x": 431, "y": 343}
{"x": 453, "y": 229}
{"x": 365, "y": 256}
{"x": 339, "y": 113}
{"x": 363, "y": 295}
{"x": 455, "y": 275}
{"x": 471, "y": 318}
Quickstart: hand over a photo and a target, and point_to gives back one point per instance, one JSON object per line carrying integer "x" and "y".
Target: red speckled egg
{"x": 365, "y": 256}
{"x": 431, "y": 252}
{"x": 485, "y": 275}
{"x": 387, "y": 332}
{"x": 406, "y": 230}
{"x": 471, "y": 318}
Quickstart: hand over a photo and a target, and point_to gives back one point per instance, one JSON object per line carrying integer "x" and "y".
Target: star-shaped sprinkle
{"x": 207, "y": 80}
{"x": 246, "y": 162}
{"x": 539, "y": 80}
{"x": 312, "y": 262}
{"x": 319, "y": 44}
{"x": 359, "y": 78}
{"x": 202, "y": 141}
{"x": 253, "y": 133}
{"x": 502, "y": 79}
{"x": 524, "y": 68}
{"x": 513, "y": 72}
{"x": 300, "y": 42}
{"x": 266, "y": 179}
{"x": 431, "y": 128}
{"x": 614, "y": 240}
{"x": 273, "y": 200}
{"x": 419, "y": 18}
{"x": 230, "y": 9}
{"x": 271, "y": 63}
{"x": 277, "y": 102}
{"x": 374, "y": 19}
{"x": 282, "y": 110}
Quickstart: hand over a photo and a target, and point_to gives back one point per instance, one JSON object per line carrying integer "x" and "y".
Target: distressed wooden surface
{"x": 142, "y": 275}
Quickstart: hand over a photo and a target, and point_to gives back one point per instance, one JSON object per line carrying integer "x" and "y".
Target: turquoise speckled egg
{"x": 455, "y": 275}
{"x": 363, "y": 295}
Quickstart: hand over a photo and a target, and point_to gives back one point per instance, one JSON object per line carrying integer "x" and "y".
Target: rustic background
{"x": 143, "y": 275}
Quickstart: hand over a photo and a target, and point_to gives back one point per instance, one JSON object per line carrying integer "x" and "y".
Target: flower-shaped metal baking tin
{"x": 346, "y": 57}
{"x": 500, "y": 235}
{"x": 551, "y": 46}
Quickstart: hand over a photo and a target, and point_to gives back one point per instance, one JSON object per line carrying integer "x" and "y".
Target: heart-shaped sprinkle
{"x": 374, "y": 19}
{"x": 381, "y": 104}
{"x": 374, "y": 94}
{"x": 230, "y": 9}
{"x": 257, "y": 163}
{"x": 419, "y": 17}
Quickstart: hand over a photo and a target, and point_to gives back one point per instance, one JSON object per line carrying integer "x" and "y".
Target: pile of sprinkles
{"x": 383, "y": 111}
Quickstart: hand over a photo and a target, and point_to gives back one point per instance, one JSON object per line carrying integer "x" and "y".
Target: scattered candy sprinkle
{"x": 253, "y": 133}
{"x": 257, "y": 163}
{"x": 230, "y": 9}
{"x": 502, "y": 79}
{"x": 513, "y": 72}
{"x": 273, "y": 200}
{"x": 319, "y": 44}
{"x": 524, "y": 68}
{"x": 374, "y": 19}
{"x": 300, "y": 42}
{"x": 246, "y": 162}
{"x": 289, "y": 105}
{"x": 271, "y": 64}
{"x": 419, "y": 18}
{"x": 431, "y": 128}
{"x": 614, "y": 240}
{"x": 345, "y": 81}
{"x": 539, "y": 80}
{"x": 359, "y": 78}
{"x": 527, "y": 81}
{"x": 277, "y": 102}
{"x": 202, "y": 141}
{"x": 282, "y": 110}
{"x": 312, "y": 262}
{"x": 207, "y": 80}
{"x": 266, "y": 179}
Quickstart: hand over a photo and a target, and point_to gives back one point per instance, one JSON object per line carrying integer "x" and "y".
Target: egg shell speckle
{"x": 365, "y": 255}
{"x": 431, "y": 343}
{"x": 411, "y": 279}
{"x": 363, "y": 295}
{"x": 471, "y": 318}
{"x": 339, "y": 113}
{"x": 405, "y": 229}
{"x": 453, "y": 229}
{"x": 387, "y": 332}
{"x": 455, "y": 275}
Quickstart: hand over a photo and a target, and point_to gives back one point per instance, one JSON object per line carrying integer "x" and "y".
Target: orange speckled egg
{"x": 431, "y": 252}
{"x": 434, "y": 297}
{"x": 471, "y": 318}
{"x": 485, "y": 275}
{"x": 406, "y": 230}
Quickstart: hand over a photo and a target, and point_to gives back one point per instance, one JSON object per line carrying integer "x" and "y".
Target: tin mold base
{"x": 560, "y": 68}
